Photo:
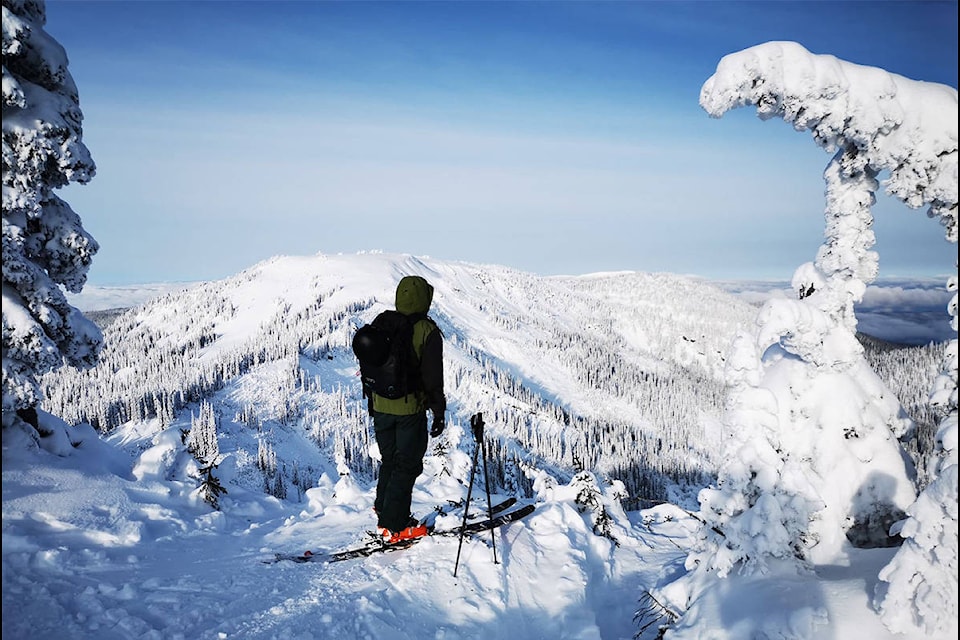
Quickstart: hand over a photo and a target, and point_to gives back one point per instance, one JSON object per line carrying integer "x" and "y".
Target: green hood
{"x": 414, "y": 295}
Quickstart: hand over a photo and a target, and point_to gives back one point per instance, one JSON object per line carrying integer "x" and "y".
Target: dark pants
{"x": 403, "y": 442}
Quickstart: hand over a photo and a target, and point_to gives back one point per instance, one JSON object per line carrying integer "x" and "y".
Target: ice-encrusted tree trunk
{"x": 814, "y": 457}
{"x": 45, "y": 247}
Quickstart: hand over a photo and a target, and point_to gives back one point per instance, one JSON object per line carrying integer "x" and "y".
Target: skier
{"x": 401, "y": 424}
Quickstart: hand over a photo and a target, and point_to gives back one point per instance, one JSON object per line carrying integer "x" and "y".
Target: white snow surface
{"x": 99, "y": 544}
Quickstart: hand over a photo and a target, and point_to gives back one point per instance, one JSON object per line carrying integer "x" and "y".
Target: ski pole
{"x": 482, "y": 443}
{"x": 466, "y": 508}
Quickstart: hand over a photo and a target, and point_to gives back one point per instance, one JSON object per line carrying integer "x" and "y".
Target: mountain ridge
{"x": 618, "y": 373}
{"x": 605, "y": 371}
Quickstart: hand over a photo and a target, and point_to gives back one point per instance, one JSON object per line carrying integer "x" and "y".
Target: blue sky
{"x": 554, "y": 137}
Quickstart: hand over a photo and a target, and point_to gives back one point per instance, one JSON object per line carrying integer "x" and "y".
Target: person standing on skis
{"x": 400, "y": 423}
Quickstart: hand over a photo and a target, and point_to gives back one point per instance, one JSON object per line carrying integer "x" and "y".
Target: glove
{"x": 437, "y": 428}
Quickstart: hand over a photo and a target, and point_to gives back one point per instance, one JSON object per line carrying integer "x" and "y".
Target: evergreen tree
{"x": 279, "y": 489}
{"x": 45, "y": 247}
{"x": 589, "y": 499}
{"x": 919, "y": 586}
{"x": 210, "y": 487}
{"x": 203, "y": 443}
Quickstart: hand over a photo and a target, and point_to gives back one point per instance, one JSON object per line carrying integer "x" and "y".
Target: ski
{"x": 489, "y": 523}
{"x": 472, "y": 527}
{"x": 373, "y": 546}
{"x": 496, "y": 521}
{"x": 497, "y": 508}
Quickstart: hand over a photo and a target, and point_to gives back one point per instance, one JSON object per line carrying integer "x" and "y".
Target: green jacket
{"x": 414, "y": 296}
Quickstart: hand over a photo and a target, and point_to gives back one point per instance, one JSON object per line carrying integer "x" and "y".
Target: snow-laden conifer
{"x": 45, "y": 247}
{"x": 919, "y": 587}
{"x": 203, "y": 441}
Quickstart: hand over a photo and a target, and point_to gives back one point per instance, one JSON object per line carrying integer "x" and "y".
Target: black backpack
{"x": 389, "y": 365}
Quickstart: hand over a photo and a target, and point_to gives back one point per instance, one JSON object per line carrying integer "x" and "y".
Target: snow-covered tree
{"x": 279, "y": 489}
{"x": 814, "y": 455}
{"x": 590, "y": 499}
{"x": 919, "y": 586}
{"x": 45, "y": 247}
{"x": 210, "y": 488}
{"x": 203, "y": 443}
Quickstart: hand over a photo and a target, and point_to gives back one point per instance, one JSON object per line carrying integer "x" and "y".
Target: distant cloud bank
{"x": 905, "y": 310}
{"x": 102, "y": 298}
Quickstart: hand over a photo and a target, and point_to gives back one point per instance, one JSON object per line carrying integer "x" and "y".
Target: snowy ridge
{"x": 630, "y": 356}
